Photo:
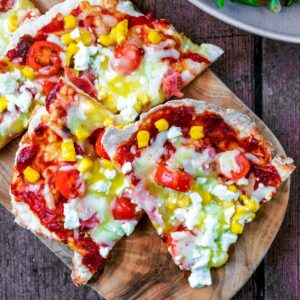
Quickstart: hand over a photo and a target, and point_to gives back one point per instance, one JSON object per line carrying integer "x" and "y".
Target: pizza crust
{"x": 241, "y": 122}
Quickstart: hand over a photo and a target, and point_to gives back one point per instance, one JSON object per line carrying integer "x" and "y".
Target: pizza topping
{"x": 31, "y": 174}
{"x": 6, "y": 5}
{"x": 99, "y": 147}
{"x": 143, "y": 137}
{"x": 28, "y": 73}
{"x": 127, "y": 59}
{"x": 19, "y": 53}
{"x": 123, "y": 208}
{"x": 44, "y": 58}
{"x": 26, "y": 157}
{"x": 3, "y": 104}
{"x": 154, "y": 37}
{"x": 171, "y": 84}
{"x": 55, "y": 26}
{"x": 162, "y": 125}
{"x": 70, "y": 22}
{"x": 85, "y": 164}
{"x": 68, "y": 151}
{"x": 196, "y": 132}
{"x": 69, "y": 183}
{"x": 233, "y": 164}
{"x": 173, "y": 179}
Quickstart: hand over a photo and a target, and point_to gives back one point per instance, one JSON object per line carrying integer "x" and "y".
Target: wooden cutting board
{"x": 140, "y": 266}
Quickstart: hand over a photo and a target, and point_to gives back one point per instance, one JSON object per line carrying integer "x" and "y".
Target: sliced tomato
{"x": 5, "y": 5}
{"x": 99, "y": 147}
{"x": 123, "y": 208}
{"x": 44, "y": 58}
{"x": 83, "y": 83}
{"x": 48, "y": 86}
{"x": 244, "y": 165}
{"x": 69, "y": 183}
{"x": 171, "y": 84}
{"x": 127, "y": 59}
{"x": 3, "y": 67}
{"x": 54, "y": 26}
{"x": 173, "y": 179}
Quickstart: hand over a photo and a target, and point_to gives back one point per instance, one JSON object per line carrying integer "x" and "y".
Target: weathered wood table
{"x": 266, "y": 75}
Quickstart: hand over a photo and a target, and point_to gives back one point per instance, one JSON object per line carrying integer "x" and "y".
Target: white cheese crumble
{"x": 128, "y": 227}
{"x": 101, "y": 186}
{"x": 128, "y": 114}
{"x": 71, "y": 216}
{"x": 127, "y": 167}
{"x": 104, "y": 251}
{"x": 8, "y": 84}
{"x": 174, "y": 132}
{"x": 110, "y": 174}
{"x": 82, "y": 58}
{"x": 223, "y": 193}
{"x": 75, "y": 34}
{"x": 200, "y": 277}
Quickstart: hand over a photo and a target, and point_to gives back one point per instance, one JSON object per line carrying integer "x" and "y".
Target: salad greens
{"x": 273, "y": 5}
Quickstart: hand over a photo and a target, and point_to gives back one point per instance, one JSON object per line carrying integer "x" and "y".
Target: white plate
{"x": 284, "y": 26}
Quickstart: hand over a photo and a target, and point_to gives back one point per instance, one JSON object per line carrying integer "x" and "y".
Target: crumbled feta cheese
{"x": 104, "y": 251}
{"x": 201, "y": 180}
{"x": 128, "y": 114}
{"x": 242, "y": 181}
{"x": 8, "y": 84}
{"x": 110, "y": 174}
{"x": 82, "y": 58}
{"x": 227, "y": 239}
{"x": 180, "y": 214}
{"x": 263, "y": 192}
{"x": 127, "y": 167}
{"x": 128, "y": 227}
{"x": 101, "y": 186}
{"x": 71, "y": 216}
{"x": 174, "y": 132}
{"x": 201, "y": 256}
{"x": 223, "y": 193}
{"x": 200, "y": 277}
{"x": 75, "y": 34}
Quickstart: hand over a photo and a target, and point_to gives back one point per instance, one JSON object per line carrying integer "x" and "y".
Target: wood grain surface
{"x": 263, "y": 73}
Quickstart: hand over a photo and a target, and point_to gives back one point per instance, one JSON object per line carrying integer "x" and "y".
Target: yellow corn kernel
{"x": 70, "y": 22}
{"x": 143, "y": 137}
{"x": 31, "y": 175}
{"x": 171, "y": 204}
{"x": 154, "y": 37}
{"x": 68, "y": 58}
{"x": 196, "y": 132}
{"x": 85, "y": 37}
{"x": 82, "y": 134}
{"x": 85, "y": 164}
{"x": 240, "y": 211}
{"x": 206, "y": 197}
{"x": 106, "y": 164}
{"x": 119, "y": 32}
{"x": 108, "y": 122}
{"x": 73, "y": 48}
{"x": 184, "y": 201}
{"x": 28, "y": 73}
{"x": 13, "y": 23}
{"x": 66, "y": 39}
{"x": 3, "y": 104}
{"x": 236, "y": 228}
{"x": 106, "y": 40}
{"x": 250, "y": 203}
{"x": 68, "y": 151}
{"x": 162, "y": 125}
{"x": 232, "y": 188}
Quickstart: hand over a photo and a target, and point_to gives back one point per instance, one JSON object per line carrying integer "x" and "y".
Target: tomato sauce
{"x": 5, "y": 5}
{"x": 217, "y": 134}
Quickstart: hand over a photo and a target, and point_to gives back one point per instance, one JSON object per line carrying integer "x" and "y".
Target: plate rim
{"x": 239, "y": 24}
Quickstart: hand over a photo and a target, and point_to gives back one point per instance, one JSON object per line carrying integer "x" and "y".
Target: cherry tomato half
{"x": 127, "y": 59}
{"x": 244, "y": 165}
{"x": 123, "y": 208}
{"x": 69, "y": 183}
{"x": 44, "y": 58}
{"x": 173, "y": 179}
{"x": 99, "y": 147}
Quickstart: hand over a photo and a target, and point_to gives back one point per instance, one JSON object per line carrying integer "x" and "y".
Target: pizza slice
{"x": 64, "y": 186}
{"x": 130, "y": 62}
{"x": 13, "y": 13}
{"x": 200, "y": 172}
